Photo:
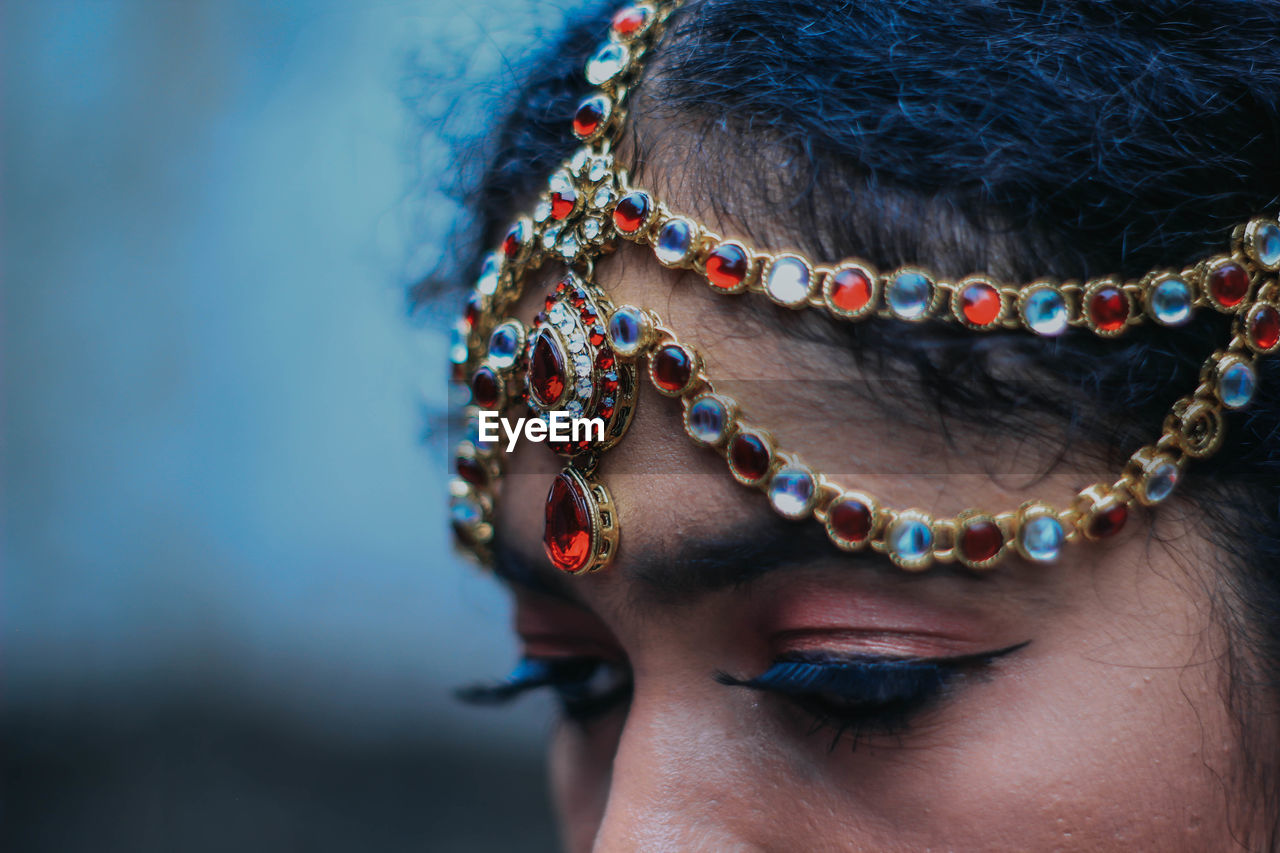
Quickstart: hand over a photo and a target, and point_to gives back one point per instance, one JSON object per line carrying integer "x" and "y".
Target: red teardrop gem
{"x": 672, "y": 368}
{"x": 484, "y": 388}
{"x": 1109, "y": 522}
{"x": 472, "y": 312}
{"x": 980, "y": 540}
{"x": 566, "y": 536}
{"x": 749, "y": 456}
{"x": 850, "y": 519}
{"x": 514, "y": 241}
{"x": 632, "y": 212}
{"x": 727, "y": 266}
{"x": 590, "y": 114}
{"x": 596, "y": 336}
{"x": 604, "y": 360}
{"x": 980, "y": 303}
{"x": 1264, "y": 327}
{"x": 547, "y": 374}
{"x": 630, "y": 20}
{"x": 850, "y": 290}
{"x": 470, "y": 469}
{"x": 1229, "y": 284}
{"x": 1109, "y": 309}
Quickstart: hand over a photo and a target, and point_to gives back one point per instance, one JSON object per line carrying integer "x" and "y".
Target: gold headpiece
{"x": 581, "y": 355}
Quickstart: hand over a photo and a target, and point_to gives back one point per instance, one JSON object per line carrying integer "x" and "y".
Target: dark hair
{"x": 1060, "y": 138}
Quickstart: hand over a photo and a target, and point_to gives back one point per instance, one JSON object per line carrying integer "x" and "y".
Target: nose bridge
{"x": 676, "y": 784}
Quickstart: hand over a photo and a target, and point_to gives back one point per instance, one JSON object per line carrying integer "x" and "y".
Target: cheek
{"x": 580, "y": 763}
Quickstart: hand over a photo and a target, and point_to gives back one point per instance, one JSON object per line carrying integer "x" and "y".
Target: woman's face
{"x": 1100, "y": 723}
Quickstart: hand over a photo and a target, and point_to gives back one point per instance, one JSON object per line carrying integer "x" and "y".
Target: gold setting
{"x": 792, "y": 466}
{"x": 730, "y": 415}
{"x": 741, "y": 430}
{"x": 974, "y": 517}
{"x": 872, "y": 506}
{"x": 831, "y": 280}
{"x": 603, "y": 519}
{"x": 1249, "y": 242}
{"x": 915, "y": 519}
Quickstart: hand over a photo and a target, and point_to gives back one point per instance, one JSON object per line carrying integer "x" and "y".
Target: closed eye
{"x": 585, "y": 687}
{"x": 860, "y": 696}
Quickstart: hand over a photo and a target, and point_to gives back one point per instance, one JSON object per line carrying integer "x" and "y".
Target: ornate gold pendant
{"x": 572, "y": 368}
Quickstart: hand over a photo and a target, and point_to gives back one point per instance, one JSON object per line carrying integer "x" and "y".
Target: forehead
{"x": 677, "y": 503}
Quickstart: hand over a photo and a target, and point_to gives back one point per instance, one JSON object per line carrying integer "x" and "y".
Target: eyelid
{"x": 871, "y": 643}
{"x": 828, "y": 657}
{"x": 551, "y": 627}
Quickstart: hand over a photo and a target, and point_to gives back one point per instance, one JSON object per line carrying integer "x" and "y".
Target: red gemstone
{"x": 472, "y": 312}
{"x": 596, "y": 336}
{"x": 630, "y": 20}
{"x": 549, "y": 302}
{"x": 980, "y": 303}
{"x": 727, "y": 266}
{"x": 470, "y": 469}
{"x": 1264, "y": 327}
{"x": 547, "y": 374}
{"x": 567, "y": 534}
{"x": 604, "y": 360}
{"x": 1109, "y": 308}
{"x": 590, "y": 114}
{"x": 485, "y": 388}
{"x": 672, "y": 368}
{"x": 632, "y": 212}
{"x": 578, "y": 297}
{"x": 1109, "y": 522}
{"x": 1229, "y": 284}
{"x": 562, "y": 202}
{"x": 980, "y": 540}
{"x": 850, "y": 519}
{"x": 850, "y": 290}
{"x": 749, "y": 456}
{"x": 514, "y": 241}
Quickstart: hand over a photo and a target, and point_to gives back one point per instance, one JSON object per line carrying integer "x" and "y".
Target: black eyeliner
{"x": 864, "y": 694}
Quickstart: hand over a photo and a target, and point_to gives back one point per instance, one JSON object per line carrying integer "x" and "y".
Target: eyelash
{"x": 858, "y": 697}
{"x": 586, "y": 688}
{"x": 852, "y": 697}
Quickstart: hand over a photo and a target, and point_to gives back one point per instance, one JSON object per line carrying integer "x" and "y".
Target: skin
{"x": 1107, "y": 731}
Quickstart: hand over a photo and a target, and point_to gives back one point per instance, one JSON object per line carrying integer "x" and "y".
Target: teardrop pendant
{"x": 581, "y": 531}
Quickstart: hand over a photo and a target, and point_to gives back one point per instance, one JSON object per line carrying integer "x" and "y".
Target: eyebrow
{"x": 697, "y": 565}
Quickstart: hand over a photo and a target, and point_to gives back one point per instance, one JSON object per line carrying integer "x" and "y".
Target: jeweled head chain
{"x": 582, "y": 354}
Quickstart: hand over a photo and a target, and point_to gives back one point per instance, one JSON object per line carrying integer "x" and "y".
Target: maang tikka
{"x": 581, "y": 355}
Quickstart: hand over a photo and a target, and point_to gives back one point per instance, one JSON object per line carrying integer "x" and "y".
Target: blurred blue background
{"x": 231, "y": 618}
